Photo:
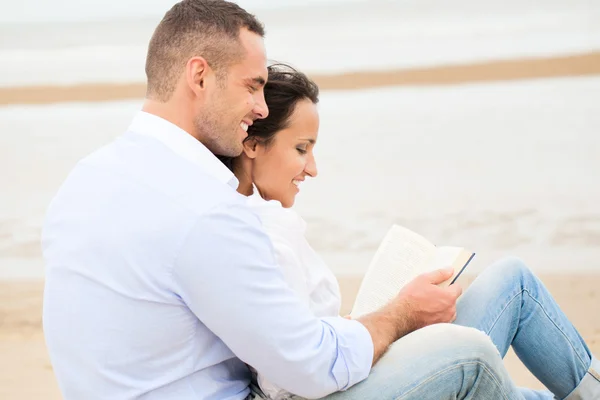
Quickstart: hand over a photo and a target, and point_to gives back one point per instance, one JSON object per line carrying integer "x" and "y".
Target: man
{"x": 162, "y": 285}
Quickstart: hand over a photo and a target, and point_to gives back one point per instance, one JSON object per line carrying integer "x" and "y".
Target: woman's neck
{"x": 242, "y": 173}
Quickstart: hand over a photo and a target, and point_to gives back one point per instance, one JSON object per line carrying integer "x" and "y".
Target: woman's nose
{"x": 311, "y": 167}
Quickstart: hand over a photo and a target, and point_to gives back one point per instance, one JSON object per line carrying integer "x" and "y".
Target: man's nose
{"x": 261, "y": 110}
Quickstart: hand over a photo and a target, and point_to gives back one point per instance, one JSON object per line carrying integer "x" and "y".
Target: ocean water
{"x": 502, "y": 168}
{"x": 105, "y": 41}
{"x": 508, "y": 168}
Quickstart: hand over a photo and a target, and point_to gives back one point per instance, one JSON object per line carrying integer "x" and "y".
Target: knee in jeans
{"x": 460, "y": 336}
{"x": 474, "y": 345}
{"x": 511, "y": 266}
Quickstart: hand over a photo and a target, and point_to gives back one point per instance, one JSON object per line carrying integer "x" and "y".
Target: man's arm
{"x": 226, "y": 274}
{"x": 420, "y": 303}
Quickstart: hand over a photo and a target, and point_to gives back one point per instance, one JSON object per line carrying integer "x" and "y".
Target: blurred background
{"x": 473, "y": 122}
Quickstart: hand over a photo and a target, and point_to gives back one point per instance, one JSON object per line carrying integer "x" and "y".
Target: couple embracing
{"x": 176, "y": 268}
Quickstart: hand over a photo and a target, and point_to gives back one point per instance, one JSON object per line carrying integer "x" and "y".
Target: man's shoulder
{"x": 150, "y": 167}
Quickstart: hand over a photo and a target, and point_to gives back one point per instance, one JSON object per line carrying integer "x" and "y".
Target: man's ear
{"x": 198, "y": 74}
{"x": 251, "y": 147}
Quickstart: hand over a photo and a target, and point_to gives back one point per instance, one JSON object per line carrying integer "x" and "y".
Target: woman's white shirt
{"x": 304, "y": 271}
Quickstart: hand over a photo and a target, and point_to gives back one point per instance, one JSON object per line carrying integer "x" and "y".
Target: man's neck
{"x": 171, "y": 113}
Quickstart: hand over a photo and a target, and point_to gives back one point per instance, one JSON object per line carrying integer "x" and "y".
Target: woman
{"x": 277, "y": 158}
{"x": 506, "y": 301}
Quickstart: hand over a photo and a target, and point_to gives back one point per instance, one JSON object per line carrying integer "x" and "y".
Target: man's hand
{"x": 420, "y": 303}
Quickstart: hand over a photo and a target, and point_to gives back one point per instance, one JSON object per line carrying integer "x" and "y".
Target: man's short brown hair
{"x": 192, "y": 28}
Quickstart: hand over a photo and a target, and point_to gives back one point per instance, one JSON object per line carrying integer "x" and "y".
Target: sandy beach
{"x": 585, "y": 64}
{"x": 26, "y": 372}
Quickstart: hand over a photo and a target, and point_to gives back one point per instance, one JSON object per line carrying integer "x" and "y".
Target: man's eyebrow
{"x": 259, "y": 80}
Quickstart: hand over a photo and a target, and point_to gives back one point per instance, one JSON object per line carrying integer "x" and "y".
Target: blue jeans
{"x": 506, "y": 305}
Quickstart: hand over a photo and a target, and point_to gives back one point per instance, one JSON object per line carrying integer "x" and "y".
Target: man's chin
{"x": 232, "y": 154}
{"x": 229, "y": 151}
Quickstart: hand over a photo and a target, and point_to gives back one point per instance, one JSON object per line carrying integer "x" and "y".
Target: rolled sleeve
{"x": 227, "y": 275}
{"x": 353, "y": 363}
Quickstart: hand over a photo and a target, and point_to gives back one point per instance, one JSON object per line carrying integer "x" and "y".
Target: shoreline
{"x": 584, "y": 64}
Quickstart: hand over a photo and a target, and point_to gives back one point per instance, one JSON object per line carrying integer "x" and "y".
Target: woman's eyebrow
{"x": 310, "y": 140}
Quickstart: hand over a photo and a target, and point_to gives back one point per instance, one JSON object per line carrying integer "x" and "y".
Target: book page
{"x": 444, "y": 257}
{"x": 401, "y": 256}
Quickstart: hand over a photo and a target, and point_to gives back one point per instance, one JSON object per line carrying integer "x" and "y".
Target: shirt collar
{"x": 183, "y": 144}
{"x": 273, "y": 213}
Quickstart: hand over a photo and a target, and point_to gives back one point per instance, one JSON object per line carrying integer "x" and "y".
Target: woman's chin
{"x": 287, "y": 203}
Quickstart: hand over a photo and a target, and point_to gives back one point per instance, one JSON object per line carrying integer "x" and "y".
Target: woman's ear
{"x": 251, "y": 146}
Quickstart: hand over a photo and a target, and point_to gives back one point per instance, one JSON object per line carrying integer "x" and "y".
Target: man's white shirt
{"x": 161, "y": 283}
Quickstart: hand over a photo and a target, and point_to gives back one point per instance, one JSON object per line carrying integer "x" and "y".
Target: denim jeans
{"x": 511, "y": 305}
{"x": 506, "y": 305}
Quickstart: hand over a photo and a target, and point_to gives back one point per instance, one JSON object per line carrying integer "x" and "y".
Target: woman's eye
{"x": 300, "y": 150}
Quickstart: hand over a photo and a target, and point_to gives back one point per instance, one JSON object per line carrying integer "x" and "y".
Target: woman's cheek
{"x": 301, "y": 164}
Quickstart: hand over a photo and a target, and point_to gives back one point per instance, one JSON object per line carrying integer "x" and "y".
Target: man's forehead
{"x": 253, "y": 44}
{"x": 254, "y": 61}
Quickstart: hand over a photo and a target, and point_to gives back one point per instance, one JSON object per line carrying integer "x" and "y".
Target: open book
{"x": 401, "y": 257}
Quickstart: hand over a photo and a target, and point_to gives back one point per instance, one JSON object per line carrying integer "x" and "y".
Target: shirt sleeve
{"x": 227, "y": 275}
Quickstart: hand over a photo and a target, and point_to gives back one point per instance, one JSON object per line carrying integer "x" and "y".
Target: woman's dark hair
{"x": 284, "y": 89}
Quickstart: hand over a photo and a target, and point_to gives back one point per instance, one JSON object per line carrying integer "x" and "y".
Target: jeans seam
{"x": 547, "y": 316}
{"x": 452, "y": 367}
{"x": 504, "y": 309}
{"x": 568, "y": 339}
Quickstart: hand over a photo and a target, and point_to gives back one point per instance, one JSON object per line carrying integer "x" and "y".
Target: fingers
{"x": 453, "y": 317}
{"x": 440, "y": 275}
{"x": 455, "y": 290}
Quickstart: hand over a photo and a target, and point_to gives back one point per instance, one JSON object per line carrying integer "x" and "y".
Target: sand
{"x": 26, "y": 372}
{"x": 500, "y": 70}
